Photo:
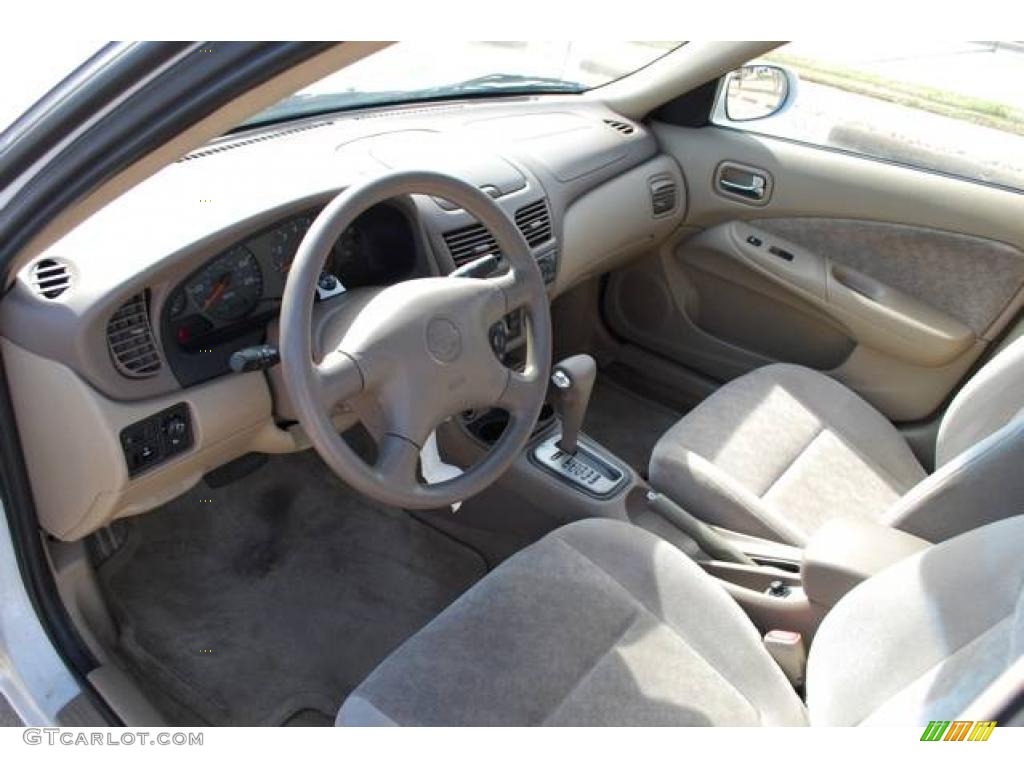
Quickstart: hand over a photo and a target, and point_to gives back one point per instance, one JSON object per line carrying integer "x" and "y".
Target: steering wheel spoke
{"x": 397, "y": 462}
{"x": 520, "y": 392}
{"x": 517, "y": 290}
{"x": 338, "y": 378}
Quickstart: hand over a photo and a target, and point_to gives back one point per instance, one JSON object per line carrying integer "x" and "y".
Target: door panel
{"x": 892, "y": 280}
{"x": 933, "y": 265}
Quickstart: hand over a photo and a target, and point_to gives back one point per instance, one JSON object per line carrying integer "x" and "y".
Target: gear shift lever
{"x": 571, "y": 383}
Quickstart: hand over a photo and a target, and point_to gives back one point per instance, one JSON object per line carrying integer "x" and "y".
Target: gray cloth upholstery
{"x": 930, "y": 264}
{"x": 599, "y": 623}
{"x": 922, "y": 639}
{"x": 781, "y": 450}
{"x": 993, "y": 397}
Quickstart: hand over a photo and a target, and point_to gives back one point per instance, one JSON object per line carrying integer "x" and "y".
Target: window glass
{"x": 956, "y": 108}
{"x": 414, "y": 71}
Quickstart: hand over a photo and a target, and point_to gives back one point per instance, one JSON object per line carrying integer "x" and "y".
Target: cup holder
{"x": 489, "y": 427}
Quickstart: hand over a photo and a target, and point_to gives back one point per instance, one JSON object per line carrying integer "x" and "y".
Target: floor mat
{"x": 625, "y": 423}
{"x": 268, "y": 600}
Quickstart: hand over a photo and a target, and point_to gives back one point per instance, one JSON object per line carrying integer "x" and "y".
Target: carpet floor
{"x": 265, "y": 602}
{"x": 626, "y": 423}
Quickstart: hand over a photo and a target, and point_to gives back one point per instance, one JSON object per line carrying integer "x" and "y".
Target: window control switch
{"x": 774, "y": 250}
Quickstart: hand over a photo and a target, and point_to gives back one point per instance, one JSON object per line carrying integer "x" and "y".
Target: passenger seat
{"x": 781, "y": 450}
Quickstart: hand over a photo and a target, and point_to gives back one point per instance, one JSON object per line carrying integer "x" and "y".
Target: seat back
{"x": 988, "y": 402}
{"x": 979, "y": 455}
{"x": 926, "y": 637}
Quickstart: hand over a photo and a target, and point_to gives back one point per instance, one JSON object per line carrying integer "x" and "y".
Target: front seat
{"x": 778, "y": 452}
{"x": 603, "y": 623}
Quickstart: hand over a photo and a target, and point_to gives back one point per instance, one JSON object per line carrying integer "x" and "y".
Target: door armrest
{"x": 843, "y": 553}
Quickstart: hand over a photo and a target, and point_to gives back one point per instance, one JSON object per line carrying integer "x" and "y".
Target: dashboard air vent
{"x": 130, "y": 339}
{"x": 49, "y": 278}
{"x": 663, "y": 196}
{"x": 474, "y": 241}
{"x": 469, "y": 243}
{"x": 621, "y": 126}
{"x": 534, "y": 222}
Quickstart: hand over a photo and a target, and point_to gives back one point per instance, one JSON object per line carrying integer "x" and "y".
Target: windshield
{"x": 418, "y": 71}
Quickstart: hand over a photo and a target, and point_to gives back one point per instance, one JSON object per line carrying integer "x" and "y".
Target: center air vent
{"x": 534, "y": 222}
{"x": 469, "y": 243}
{"x": 621, "y": 126}
{"x": 50, "y": 277}
{"x": 663, "y": 196}
{"x": 130, "y": 339}
{"x": 475, "y": 241}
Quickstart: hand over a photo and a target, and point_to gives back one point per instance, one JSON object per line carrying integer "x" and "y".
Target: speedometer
{"x": 229, "y": 287}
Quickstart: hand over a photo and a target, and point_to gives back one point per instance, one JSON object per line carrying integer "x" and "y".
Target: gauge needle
{"x": 215, "y": 294}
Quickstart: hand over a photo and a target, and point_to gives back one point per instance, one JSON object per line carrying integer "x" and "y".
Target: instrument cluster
{"x": 230, "y": 299}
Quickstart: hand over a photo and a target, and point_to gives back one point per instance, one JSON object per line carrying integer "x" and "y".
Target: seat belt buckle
{"x": 787, "y": 648}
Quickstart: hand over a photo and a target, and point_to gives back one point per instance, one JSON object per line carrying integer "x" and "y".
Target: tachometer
{"x": 229, "y": 287}
{"x": 286, "y": 239}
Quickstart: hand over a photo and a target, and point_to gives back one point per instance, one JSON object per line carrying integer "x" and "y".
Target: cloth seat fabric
{"x": 603, "y": 623}
{"x": 783, "y": 449}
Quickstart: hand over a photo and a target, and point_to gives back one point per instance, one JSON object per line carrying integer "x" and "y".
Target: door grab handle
{"x": 754, "y": 190}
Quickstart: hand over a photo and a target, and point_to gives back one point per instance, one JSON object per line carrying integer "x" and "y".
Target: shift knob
{"x": 571, "y": 383}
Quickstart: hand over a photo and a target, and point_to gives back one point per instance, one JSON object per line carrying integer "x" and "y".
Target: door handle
{"x": 754, "y": 189}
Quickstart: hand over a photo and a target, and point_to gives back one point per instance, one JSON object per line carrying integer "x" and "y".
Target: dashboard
{"x": 116, "y": 339}
{"x": 227, "y": 302}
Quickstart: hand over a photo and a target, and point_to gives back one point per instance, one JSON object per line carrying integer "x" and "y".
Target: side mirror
{"x": 756, "y": 91}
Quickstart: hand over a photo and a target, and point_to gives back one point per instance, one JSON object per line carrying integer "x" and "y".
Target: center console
{"x": 589, "y": 468}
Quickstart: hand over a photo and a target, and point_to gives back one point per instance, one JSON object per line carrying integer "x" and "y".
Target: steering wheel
{"x": 418, "y": 351}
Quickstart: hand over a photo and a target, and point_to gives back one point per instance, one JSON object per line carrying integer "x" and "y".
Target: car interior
{"x": 561, "y": 408}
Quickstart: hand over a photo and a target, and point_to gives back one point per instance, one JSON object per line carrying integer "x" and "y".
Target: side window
{"x": 952, "y": 108}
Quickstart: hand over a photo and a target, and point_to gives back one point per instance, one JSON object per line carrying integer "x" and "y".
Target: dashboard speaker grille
{"x": 130, "y": 339}
{"x": 534, "y": 222}
{"x": 49, "y": 278}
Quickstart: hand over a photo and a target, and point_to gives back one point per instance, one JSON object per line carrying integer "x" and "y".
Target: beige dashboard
{"x": 76, "y": 409}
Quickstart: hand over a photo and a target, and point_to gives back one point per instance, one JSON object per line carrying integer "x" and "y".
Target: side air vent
{"x": 663, "y": 196}
{"x": 130, "y": 339}
{"x": 534, "y": 222}
{"x": 49, "y": 278}
{"x": 469, "y": 243}
{"x": 228, "y": 145}
{"x": 622, "y": 127}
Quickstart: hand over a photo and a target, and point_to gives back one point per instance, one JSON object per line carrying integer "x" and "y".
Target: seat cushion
{"x": 924, "y": 638}
{"x": 599, "y": 623}
{"x": 779, "y": 451}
